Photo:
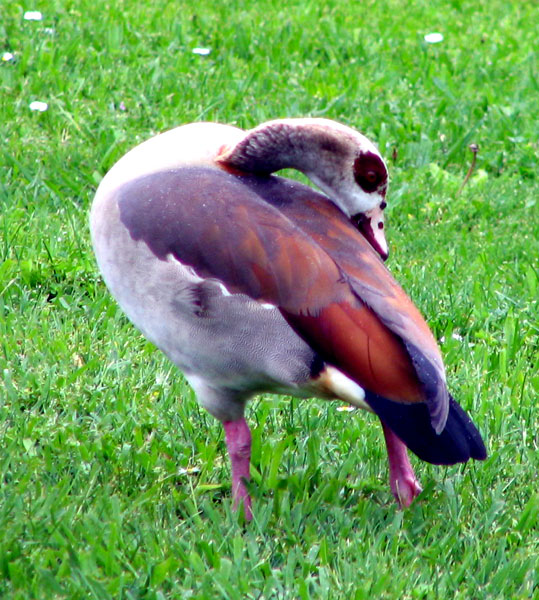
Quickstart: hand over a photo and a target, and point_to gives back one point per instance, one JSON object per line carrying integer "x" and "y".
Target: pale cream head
{"x": 342, "y": 162}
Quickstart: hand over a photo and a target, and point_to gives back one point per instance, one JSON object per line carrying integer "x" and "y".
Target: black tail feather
{"x": 458, "y": 441}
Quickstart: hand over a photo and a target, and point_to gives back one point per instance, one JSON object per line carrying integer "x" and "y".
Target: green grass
{"x": 114, "y": 484}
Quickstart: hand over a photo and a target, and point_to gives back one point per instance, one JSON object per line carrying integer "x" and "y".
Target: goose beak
{"x": 371, "y": 225}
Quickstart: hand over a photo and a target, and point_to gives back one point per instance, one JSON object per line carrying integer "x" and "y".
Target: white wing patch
{"x": 335, "y": 384}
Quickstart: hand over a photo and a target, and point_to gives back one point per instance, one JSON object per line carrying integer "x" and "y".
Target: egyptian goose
{"x": 254, "y": 283}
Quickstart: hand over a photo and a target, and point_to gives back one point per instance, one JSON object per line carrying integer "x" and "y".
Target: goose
{"x": 253, "y": 283}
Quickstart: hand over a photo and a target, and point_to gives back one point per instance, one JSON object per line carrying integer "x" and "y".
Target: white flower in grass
{"x": 38, "y": 106}
{"x": 33, "y": 15}
{"x": 346, "y": 408}
{"x": 454, "y": 336}
{"x": 7, "y": 57}
{"x": 201, "y": 51}
{"x": 434, "y": 38}
{"x": 189, "y": 471}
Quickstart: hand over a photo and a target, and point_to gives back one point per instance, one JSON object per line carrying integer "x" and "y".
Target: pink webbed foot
{"x": 404, "y": 483}
{"x": 238, "y": 443}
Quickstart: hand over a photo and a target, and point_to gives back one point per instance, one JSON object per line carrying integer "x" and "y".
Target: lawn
{"x": 114, "y": 484}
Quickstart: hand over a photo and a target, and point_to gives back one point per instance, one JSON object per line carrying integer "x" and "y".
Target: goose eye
{"x": 371, "y": 176}
{"x": 370, "y": 172}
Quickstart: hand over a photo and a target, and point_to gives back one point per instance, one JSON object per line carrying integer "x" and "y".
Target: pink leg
{"x": 238, "y": 443}
{"x": 402, "y": 479}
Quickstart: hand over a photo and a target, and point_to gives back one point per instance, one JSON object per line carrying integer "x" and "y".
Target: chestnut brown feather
{"x": 352, "y": 337}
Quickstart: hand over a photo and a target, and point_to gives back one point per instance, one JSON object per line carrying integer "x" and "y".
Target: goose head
{"x": 342, "y": 162}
